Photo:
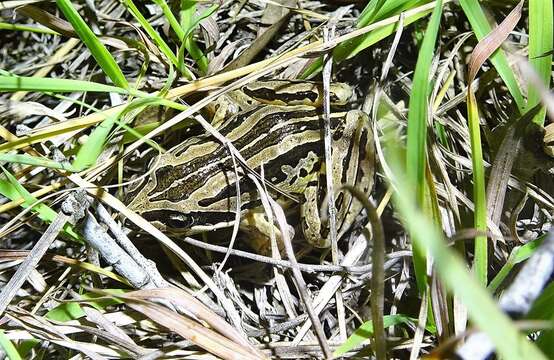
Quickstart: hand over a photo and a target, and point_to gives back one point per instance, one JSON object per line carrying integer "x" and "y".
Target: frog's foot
{"x": 222, "y": 109}
{"x": 260, "y": 232}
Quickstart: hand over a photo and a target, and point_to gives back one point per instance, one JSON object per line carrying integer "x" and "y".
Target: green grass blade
{"x": 480, "y": 262}
{"x": 171, "y": 19}
{"x": 543, "y": 310}
{"x": 97, "y": 49}
{"x": 542, "y": 307}
{"x": 29, "y": 28}
{"x": 375, "y": 10}
{"x": 8, "y": 347}
{"x": 13, "y": 190}
{"x": 90, "y": 151}
{"x": 375, "y": 36}
{"x": 35, "y": 161}
{"x": 518, "y": 254}
{"x": 365, "y": 331}
{"x": 419, "y": 107}
{"x": 417, "y": 129}
{"x": 483, "y": 51}
{"x": 369, "y": 13}
{"x": 482, "y": 28}
{"x": 351, "y": 48}
{"x": 540, "y": 42}
{"x": 158, "y": 40}
{"x": 72, "y": 311}
{"x": 17, "y": 83}
{"x": 189, "y": 22}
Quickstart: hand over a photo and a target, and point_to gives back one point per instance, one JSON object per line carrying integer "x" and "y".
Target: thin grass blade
{"x": 97, "y": 49}
{"x": 17, "y": 83}
{"x": 35, "y": 161}
{"x": 541, "y": 27}
{"x": 156, "y": 37}
{"x": 417, "y": 129}
{"x": 189, "y": 21}
{"x": 8, "y": 347}
{"x": 484, "y": 49}
{"x": 90, "y": 151}
{"x": 13, "y": 190}
{"x": 351, "y": 48}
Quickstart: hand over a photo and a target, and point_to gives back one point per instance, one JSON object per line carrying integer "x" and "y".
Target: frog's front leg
{"x": 222, "y": 109}
{"x": 229, "y": 105}
{"x": 353, "y": 163}
{"x": 259, "y": 232}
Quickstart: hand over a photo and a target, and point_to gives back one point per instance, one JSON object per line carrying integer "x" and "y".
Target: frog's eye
{"x": 177, "y": 220}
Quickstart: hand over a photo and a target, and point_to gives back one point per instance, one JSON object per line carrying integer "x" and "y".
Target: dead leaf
{"x": 488, "y": 45}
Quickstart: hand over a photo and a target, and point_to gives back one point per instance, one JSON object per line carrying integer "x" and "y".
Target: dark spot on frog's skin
{"x": 321, "y": 193}
{"x": 303, "y": 173}
{"x": 363, "y": 143}
{"x": 334, "y": 98}
{"x": 293, "y": 180}
{"x": 339, "y": 200}
{"x": 360, "y": 175}
{"x": 337, "y": 134}
{"x": 317, "y": 167}
{"x": 324, "y": 231}
{"x": 268, "y": 94}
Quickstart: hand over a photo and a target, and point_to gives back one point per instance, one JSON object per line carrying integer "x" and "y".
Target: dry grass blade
{"x": 330, "y": 287}
{"x": 43, "y": 329}
{"x": 502, "y": 166}
{"x": 9, "y": 255}
{"x": 194, "y": 307}
{"x": 50, "y": 21}
{"x": 189, "y": 329}
{"x": 328, "y": 33}
{"x": 378, "y": 272}
{"x": 277, "y": 19}
{"x": 492, "y": 41}
{"x": 16, "y": 3}
{"x": 72, "y": 210}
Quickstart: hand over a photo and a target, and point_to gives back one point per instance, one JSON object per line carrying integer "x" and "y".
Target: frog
{"x": 277, "y": 126}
